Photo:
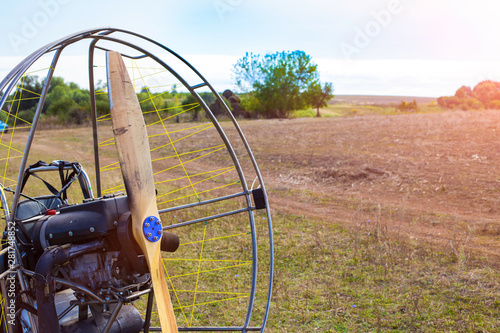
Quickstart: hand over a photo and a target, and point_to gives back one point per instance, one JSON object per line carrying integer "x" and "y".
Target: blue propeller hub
{"x": 152, "y": 228}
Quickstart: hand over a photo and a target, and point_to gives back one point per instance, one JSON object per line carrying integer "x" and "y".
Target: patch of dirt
{"x": 347, "y": 175}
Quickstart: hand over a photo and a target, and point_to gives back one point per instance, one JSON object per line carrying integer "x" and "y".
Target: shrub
{"x": 495, "y": 104}
{"x": 404, "y": 106}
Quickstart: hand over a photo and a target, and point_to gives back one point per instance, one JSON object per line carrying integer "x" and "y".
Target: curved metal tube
{"x": 102, "y": 34}
{"x": 230, "y": 150}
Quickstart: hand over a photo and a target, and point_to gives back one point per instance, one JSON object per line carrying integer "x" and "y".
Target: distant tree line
{"x": 68, "y": 104}
{"x": 485, "y": 95}
{"x": 272, "y": 86}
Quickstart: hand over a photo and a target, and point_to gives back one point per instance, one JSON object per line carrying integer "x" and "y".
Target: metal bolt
{"x": 92, "y": 229}
{"x": 155, "y": 238}
{"x": 158, "y": 222}
{"x": 51, "y": 236}
{"x": 160, "y": 232}
{"x": 70, "y": 233}
{"x": 148, "y": 234}
{"x": 151, "y": 218}
{"x": 146, "y": 225}
{"x": 115, "y": 223}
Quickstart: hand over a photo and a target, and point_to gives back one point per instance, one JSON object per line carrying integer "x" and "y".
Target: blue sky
{"x": 383, "y": 47}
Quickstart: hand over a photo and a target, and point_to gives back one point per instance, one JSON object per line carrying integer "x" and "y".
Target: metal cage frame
{"x": 94, "y": 36}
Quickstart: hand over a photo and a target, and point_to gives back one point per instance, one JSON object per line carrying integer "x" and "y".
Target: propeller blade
{"x": 132, "y": 144}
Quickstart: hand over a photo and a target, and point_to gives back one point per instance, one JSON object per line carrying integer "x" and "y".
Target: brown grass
{"x": 434, "y": 176}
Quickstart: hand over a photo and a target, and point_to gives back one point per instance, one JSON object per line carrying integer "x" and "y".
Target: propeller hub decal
{"x": 152, "y": 228}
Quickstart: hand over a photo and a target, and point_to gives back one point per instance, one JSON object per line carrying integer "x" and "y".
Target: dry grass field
{"x": 390, "y": 222}
{"x": 382, "y": 223}
{"x": 428, "y": 177}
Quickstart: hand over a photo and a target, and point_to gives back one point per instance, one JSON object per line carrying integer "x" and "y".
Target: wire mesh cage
{"x": 210, "y": 191}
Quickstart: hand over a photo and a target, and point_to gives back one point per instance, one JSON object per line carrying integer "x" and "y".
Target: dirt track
{"x": 424, "y": 176}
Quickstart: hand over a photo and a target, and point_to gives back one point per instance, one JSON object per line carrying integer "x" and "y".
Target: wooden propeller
{"x": 132, "y": 144}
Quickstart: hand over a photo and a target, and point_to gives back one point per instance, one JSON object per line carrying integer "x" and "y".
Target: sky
{"x": 373, "y": 47}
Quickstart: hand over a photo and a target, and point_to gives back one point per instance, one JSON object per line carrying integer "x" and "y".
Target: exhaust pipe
{"x": 45, "y": 283}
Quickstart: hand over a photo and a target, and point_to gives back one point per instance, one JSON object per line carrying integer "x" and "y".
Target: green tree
{"x": 487, "y": 91}
{"x": 68, "y": 102}
{"x": 25, "y": 98}
{"x": 319, "y": 96}
{"x": 101, "y": 99}
{"x": 279, "y": 81}
{"x": 191, "y": 102}
{"x": 464, "y": 92}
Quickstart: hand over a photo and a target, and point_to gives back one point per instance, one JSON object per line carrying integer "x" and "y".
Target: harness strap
{"x": 51, "y": 188}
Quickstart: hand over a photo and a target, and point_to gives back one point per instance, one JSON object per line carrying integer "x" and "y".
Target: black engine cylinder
{"x": 80, "y": 223}
{"x": 129, "y": 320}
